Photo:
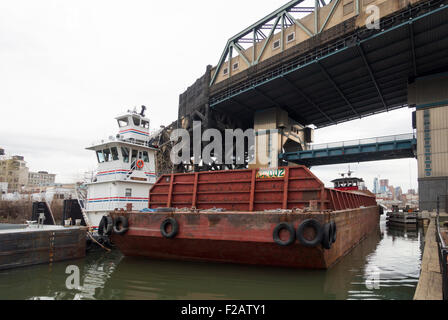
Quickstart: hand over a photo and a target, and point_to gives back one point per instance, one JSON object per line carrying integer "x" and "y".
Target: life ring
{"x": 335, "y": 231}
{"x": 327, "y": 238}
{"x": 310, "y": 223}
{"x": 121, "y": 225}
{"x": 292, "y": 234}
{"x": 174, "y": 228}
{"x": 106, "y": 226}
{"x": 140, "y": 164}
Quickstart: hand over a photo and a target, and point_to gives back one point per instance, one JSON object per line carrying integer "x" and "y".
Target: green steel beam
{"x": 271, "y": 33}
{"x": 240, "y": 50}
{"x": 330, "y": 14}
{"x": 266, "y": 19}
{"x": 221, "y": 61}
{"x": 299, "y": 24}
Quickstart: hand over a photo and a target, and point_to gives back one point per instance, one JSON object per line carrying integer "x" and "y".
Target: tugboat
{"x": 125, "y": 174}
{"x": 349, "y": 183}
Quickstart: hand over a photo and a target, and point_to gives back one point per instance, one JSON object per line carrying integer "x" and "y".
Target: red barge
{"x": 280, "y": 217}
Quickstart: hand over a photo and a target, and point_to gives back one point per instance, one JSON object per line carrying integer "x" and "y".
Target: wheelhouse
{"x": 347, "y": 184}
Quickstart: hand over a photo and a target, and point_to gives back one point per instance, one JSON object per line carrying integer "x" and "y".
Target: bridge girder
{"x": 368, "y": 71}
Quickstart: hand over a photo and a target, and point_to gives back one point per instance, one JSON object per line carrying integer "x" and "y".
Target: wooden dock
{"x": 430, "y": 283}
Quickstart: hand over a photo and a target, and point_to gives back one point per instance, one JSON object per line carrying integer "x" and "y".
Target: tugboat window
{"x": 145, "y": 124}
{"x": 145, "y": 156}
{"x": 125, "y": 153}
{"x": 107, "y": 155}
{"x": 123, "y": 122}
{"x": 136, "y": 121}
{"x": 100, "y": 156}
{"x": 115, "y": 156}
{"x": 134, "y": 157}
{"x": 128, "y": 193}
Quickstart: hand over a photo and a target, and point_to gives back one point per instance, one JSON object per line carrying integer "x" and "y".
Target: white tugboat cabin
{"x": 126, "y": 170}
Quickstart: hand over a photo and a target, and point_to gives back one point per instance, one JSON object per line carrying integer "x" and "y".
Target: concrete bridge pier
{"x": 277, "y": 133}
{"x": 429, "y": 95}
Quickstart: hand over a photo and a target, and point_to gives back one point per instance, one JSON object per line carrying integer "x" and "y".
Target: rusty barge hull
{"x": 21, "y": 247}
{"x": 256, "y": 217}
{"x": 242, "y": 238}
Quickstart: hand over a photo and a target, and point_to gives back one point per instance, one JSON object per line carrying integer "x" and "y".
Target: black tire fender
{"x": 334, "y": 231}
{"x": 327, "y": 238}
{"x": 106, "y": 226}
{"x": 310, "y": 223}
{"x": 292, "y": 234}
{"x": 121, "y": 225}
{"x": 174, "y": 228}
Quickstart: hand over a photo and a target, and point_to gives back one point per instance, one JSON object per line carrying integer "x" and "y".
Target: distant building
{"x": 384, "y": 186}
{"x": 391, "y": 192}
{"x": 41, "y": 179}
{"x": 376, "y": 186}
{"x": 398, "y": 193}
{"x": 412, "y": 191}
{"x": 14, "y": 172}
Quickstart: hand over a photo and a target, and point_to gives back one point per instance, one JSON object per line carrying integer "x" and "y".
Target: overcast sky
{"x": 67, "y": 68}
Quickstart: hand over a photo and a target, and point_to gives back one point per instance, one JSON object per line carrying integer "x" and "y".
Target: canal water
{"x": 384, "y": 266}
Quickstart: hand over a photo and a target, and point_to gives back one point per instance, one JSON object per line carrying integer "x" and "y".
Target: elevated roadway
{"x": 361, "y": 73}
{"x": 381, "y": 148}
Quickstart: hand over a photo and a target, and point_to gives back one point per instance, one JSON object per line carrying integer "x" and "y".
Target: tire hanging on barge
{"x": 327, "y": 238}
{"x": 290, "y": 229}
{"x": 106, "y": 226}
{"x": 314, "y": 224}
{"x": 121, "y": 225}
{"x": 174, "y": 228}
{"x": 335, "y": 231}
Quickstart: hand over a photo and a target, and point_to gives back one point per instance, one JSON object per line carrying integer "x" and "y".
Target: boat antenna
{"x": 142, "y": 113}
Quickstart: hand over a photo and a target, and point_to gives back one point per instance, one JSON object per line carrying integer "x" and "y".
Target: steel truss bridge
{"x": 362, "y": 73}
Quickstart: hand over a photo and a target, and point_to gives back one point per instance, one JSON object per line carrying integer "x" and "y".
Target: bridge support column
{"x": 276, "y": 133}
{"x": 430, "y": 96}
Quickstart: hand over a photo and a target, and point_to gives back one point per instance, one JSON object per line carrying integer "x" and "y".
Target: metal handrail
{"x": 129, "y": 141}
{"x": 351, "y": 143}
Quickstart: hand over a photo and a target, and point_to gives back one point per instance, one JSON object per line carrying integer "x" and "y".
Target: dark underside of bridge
{"x": 362, "y": 74}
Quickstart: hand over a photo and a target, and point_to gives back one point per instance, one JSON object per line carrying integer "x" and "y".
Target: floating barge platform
{"x": 25, "y": 245}
{"x": 284, "y": 217}
{"x": 403, "y": 218}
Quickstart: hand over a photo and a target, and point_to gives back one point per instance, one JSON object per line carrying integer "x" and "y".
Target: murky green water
{"x": 384, "y": 266}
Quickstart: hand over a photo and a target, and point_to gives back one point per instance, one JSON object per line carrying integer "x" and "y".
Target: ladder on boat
{"x": 81, "y": 196}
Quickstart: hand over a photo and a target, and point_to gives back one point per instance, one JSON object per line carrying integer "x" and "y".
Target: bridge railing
{"x": 352, "y": 143}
